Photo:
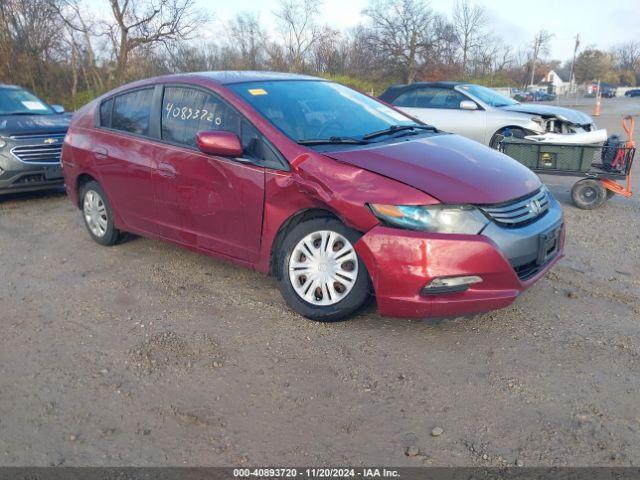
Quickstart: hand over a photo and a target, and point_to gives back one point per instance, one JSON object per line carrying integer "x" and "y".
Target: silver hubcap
{"x": 323, "y": 268}
{"x": 95, "y": 213}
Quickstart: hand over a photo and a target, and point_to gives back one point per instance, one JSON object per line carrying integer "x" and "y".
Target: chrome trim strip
{"x": 521, "y": 211}
{"x": 27, "y": 155}
{"x": 37, "y": 135}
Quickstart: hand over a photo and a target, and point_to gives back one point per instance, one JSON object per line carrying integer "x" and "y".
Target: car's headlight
{"x": 432, "y": 218}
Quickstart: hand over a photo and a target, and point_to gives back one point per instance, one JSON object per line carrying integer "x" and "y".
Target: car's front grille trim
{"x": 38, "y": 153}
{"x": 519, "y": 212}
{"x": 37, "y": 136}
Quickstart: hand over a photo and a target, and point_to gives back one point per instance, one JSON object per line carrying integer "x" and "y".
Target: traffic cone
{"x": 596, "y": 113}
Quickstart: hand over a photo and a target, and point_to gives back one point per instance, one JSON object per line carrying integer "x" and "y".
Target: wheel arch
{"x": 286, "y": 226}
{"x": 81, "y": 181}
{"x": 504, "y": 127}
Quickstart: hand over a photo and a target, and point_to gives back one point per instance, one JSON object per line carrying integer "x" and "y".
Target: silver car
{"x": 481, "y": 113}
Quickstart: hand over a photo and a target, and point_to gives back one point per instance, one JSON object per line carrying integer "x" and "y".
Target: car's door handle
{"x": 100, "y": 153}
{"x": 166, "y": 170}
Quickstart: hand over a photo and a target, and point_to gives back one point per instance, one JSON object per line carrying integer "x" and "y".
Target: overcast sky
{"x": 601, "y": 23}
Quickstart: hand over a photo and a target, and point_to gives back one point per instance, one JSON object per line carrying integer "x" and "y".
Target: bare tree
{"x": 145, "y": 23}
{"x": 30, "y": 40}
{"x": 627, "y": 55}
{"x": 400, "y": 30}
{"x": 248, "y": 38}
{"x": 469, "y": 22}
{"x": 297, "y": 24}
{"x": 540, "y": 47}
{"x": 80, "y": 34}
{"x": 328, "y": 55}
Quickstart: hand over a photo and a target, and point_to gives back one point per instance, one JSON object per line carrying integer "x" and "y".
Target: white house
{"x": 551, "y": 78}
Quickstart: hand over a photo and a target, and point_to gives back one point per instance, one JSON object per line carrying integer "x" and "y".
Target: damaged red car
{"x": 340, "y": 196}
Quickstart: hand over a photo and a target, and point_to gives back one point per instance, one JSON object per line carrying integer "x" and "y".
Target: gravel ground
{"x": 147, "y": 354}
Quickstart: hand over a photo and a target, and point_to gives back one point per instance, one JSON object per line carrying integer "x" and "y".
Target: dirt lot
{"x": 146, "y": 354}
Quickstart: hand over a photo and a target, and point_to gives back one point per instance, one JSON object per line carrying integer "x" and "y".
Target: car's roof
{"x": 241, "y": 76}
{"x": 391, "y": 93}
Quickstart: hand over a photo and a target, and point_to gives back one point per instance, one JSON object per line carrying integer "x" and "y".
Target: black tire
{"x": 499, "y": 135}
{"x": 588, "y": 194}
{"x": 111, "y": 234}
{"x": 356, "y": 299}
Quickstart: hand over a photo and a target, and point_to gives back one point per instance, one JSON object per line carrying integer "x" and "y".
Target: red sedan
{"x": 338, "y": 195}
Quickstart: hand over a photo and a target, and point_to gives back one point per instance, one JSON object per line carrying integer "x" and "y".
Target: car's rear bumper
{"x": 401, "y": 263}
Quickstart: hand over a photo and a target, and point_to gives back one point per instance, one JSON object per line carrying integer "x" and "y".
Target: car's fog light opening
{"x": 441, "y": 285}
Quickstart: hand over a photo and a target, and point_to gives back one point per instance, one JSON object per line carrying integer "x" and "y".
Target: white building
{"x": 558, "y": 85}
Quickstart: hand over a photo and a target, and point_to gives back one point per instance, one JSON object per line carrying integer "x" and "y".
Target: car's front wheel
{"x": 501, "y": 134}
{"x": 97, "y": 214}
{"x": 321, "y": 276}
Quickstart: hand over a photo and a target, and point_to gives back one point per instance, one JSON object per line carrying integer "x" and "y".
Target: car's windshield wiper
{"x": 334, "y": 140}
{"x": 397, "y": 128}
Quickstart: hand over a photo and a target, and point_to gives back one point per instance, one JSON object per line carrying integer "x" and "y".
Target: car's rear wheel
{"x": 97, "y": 214}
{"x": 321, "y": 276}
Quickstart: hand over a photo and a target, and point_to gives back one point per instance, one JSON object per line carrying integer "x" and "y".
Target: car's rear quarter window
{"x": 105, "y": 113}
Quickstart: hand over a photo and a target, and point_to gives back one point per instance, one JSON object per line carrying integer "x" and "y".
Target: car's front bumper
{"x": 30, "y": 178}
{"x": 401, "y": 263}
{"x": 19, "y": 176}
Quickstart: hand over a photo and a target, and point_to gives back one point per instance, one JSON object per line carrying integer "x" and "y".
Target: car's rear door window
{"x": 131, "y": 112}
{"x": 406, "y": 99}
{"x": 187, "y": 111}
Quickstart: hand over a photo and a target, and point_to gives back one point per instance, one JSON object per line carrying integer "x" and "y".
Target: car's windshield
{"x": 489, "y": 96}
{"x": 308, "y": 110}
{"x": 15, "y": 101}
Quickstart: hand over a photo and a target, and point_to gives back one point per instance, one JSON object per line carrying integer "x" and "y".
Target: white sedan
{"x": 481, "y": 113}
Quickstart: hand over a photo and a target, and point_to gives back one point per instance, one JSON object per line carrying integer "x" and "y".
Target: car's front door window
{"x": 187, "y": 111}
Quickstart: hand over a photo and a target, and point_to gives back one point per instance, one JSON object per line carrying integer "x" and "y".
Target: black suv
{"x": 31, "y": 136}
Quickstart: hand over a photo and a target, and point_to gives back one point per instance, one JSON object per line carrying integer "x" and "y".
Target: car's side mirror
{"x": 468, "y": 105}
{"x": 58, "y": 108}
{"x": 219, "y": 142}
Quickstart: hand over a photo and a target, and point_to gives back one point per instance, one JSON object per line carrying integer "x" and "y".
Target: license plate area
{"x": 548, "y": 244}
{"x": 53, "y": 172}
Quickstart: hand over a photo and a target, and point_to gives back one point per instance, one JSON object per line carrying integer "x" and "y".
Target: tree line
{"x": 69, "y": 51}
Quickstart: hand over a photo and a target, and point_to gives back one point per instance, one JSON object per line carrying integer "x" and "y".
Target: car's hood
{"x": 567, "y": 114}
{"x": 33, "y": 124}
{"x": 451, "y": 168}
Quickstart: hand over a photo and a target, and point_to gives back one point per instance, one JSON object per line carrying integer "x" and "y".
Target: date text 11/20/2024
{"x": 315, "y": 473}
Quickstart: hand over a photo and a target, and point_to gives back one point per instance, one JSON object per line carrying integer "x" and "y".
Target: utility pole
{"x": 573, "y": 62}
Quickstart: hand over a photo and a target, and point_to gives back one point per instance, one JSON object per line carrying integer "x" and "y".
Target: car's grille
{"x": 520, "y": 212}
{"x": 44, "y": 149}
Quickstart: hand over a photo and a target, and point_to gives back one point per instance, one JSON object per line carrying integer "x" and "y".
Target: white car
{"x": 481, "y": 113}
